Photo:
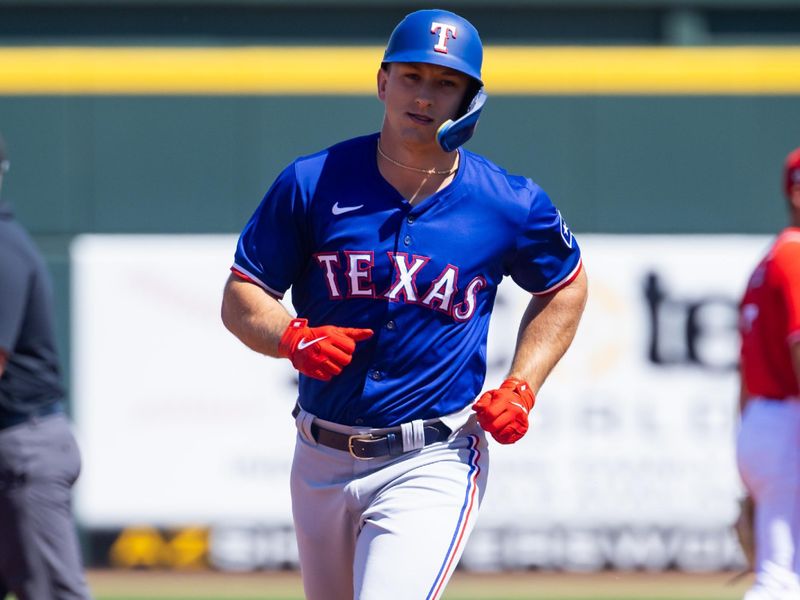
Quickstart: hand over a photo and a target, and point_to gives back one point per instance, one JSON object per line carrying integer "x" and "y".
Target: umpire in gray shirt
{"x": 39, "y": 459}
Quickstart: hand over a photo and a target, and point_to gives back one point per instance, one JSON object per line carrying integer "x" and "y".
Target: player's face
{"x": 419, "y": 97}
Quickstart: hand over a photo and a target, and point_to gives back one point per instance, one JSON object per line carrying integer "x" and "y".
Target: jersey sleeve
{"x": 271, "y": 251}
{"x": 547, "y": 255}
{"x": 786, "y": 270}
{"x": 15, "y": 283}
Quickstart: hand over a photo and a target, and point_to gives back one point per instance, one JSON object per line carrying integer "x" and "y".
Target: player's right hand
{"x": 504, "y": 412}
{"x": 320, "y": 352}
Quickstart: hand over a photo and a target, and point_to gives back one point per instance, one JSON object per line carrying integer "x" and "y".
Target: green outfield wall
{"x": 626, "y": 164}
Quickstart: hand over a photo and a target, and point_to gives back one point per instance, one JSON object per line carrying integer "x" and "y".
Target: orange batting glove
{"x": 320, "y": 352}
{"x": 504, "y": 412}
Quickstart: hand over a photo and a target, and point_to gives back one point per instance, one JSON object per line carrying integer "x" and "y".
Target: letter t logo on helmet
{"x": 442, "y": 29}
{"x": 457, "y": 46}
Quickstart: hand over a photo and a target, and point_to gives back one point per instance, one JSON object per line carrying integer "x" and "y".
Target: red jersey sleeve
{"x": 786, "y": 270}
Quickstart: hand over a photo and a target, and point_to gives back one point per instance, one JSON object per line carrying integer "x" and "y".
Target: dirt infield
{"x": 117, "y": 584}
{"x": 610, "y": 586}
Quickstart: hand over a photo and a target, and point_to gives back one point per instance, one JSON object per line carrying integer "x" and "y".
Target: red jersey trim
{"x": 250, "y": 278}
{"x": 564, "y": 282}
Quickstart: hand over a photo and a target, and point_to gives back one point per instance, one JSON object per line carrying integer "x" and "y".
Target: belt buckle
{"x": 359, "y": 436}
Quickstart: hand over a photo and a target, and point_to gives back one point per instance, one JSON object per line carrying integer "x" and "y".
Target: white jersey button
{"x": 390, "y": 326}
{"x": 407, "y": 240}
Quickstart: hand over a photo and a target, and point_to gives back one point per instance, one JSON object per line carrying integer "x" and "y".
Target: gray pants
{"x": 39, "y": 551}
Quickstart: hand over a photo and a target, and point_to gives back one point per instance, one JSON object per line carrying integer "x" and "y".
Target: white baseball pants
{"x": 768, "y": 454}
{"x": 391, "y": 528}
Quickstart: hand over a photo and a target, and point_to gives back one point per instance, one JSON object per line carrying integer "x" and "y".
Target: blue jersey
{"x": 423, "y": 277}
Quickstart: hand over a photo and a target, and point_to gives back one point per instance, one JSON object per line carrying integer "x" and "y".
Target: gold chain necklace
{"x": 415, "y": 169}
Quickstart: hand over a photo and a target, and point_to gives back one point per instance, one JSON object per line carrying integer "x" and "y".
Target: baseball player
{"x": 394, "y": 244}
{"x": 768, "y": 444}
{"x": 39, "y": 458}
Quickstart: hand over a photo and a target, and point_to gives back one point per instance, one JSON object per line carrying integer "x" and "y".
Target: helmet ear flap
{"x": 452, "y": 134}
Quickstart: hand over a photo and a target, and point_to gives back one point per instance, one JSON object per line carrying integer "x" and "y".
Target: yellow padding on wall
{"x": 288, "y": 70}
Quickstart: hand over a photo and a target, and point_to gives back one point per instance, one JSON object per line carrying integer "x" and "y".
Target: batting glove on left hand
{"x": 320, "y": 352}
{"x": 504, "y": 412}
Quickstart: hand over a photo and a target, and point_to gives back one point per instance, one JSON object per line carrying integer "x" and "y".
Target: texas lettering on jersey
{"x": 355, "y": 267}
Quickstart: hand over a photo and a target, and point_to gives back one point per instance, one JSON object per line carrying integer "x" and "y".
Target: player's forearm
{"x": 253, "y": 316}
{"x": 546, "y": 331}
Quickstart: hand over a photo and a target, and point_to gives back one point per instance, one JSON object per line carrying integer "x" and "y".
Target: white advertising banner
{"x": 633, "y": 433}
{"x": 179, "y": 423}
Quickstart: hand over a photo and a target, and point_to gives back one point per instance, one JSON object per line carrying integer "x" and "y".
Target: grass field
{"x": 141, "y": 585}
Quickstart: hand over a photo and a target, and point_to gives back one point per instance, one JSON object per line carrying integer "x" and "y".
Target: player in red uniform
{"x": 768, "y": 449}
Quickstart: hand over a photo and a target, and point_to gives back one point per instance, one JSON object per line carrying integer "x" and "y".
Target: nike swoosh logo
{"x": 340, "y": 210}
{"x": 520, "y": 405}
{"x": 305, "y": 344}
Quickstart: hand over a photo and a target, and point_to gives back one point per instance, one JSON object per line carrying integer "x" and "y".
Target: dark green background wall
{"x": 200, "y": 164}
{"x": 211, "y": 22}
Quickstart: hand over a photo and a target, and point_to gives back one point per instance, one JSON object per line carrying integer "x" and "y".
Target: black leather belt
{"x": 366, "y": 446}
{"x": 13, "y": 419}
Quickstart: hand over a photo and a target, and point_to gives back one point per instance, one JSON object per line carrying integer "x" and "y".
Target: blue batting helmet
{"x": 437, "y": 37}
{"x": 442, "y": 38}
